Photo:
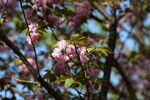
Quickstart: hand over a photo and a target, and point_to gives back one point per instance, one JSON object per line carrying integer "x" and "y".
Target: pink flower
{"x": 5, "y": 48}
{"x": 54, "y": 1}
{"x": 128, "y": 15}
{"x": 63, "y": 58}
{"x": 35, "y": 38}
{"x": 54, "y": 20}
{"x": 39, "y": 96}
{"x": 30, "y": 16}
{"x": 84, "y": 58}
{"x": 82, "y": 10}
{"x": 59, "y": 22}
{"x": 34, "y": 6}
{"x": 60, "y": 68}
{"x": 62, "y": 44}
{"x": 29, "y": 98}
{"x": 10, "y": 3}
{"x": 64, "y": 52}
{"x": 32, "y": 27}
{"x": 58, "y": 55}
{"x": 93, "y": 72}
{"x": 82, "y": 50}
{"x": 143, "y": 82}
{"x": 23, "y": 67}
{"x": 56, "y": 52}
{"x": 90, "y": 85}
{"x": 71, "y": 50}
{"x": 70, "y": 64}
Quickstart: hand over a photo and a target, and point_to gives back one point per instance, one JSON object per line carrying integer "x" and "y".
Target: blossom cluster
{"x": 10, "y": 3}
{"x": 43, "y": 4}
{"x": 42, "y": 7}
{"x": 34, "y": 35}
{"x": 82, "y": 10}
{"x": 53, "y": 20}
{"x": 66, "y": 52}
{"x": 23, "y": 67}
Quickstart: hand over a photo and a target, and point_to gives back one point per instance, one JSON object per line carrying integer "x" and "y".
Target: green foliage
{"x": 1, "y": 20}
{"x": 69, "y": 82}
{"x": 78, "y": 40}
{"x": 101, "y": 51}
{"x": 18, "y": 61}
{"x": 62, "y": 79}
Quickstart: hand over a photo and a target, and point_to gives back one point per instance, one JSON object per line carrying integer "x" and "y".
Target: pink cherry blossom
{"x": 23, "y": 67}
{"x": 62, "y": 44}
{"x": 93, "y": 72}
{"x": 59, "y": 21}
{"x": 70, "y": 64}
{"x": 84, "y": 58}
{"x": 54, "y": 1}
{"x": 90, "y": 85}
{"x": 71, "y": 50}
{"x": 35, "y": 38}
{"x": 54, "y": 20}
{"x": 10, "y": 3}
{"x": 32, "y": 27}
{"x": 30, "y": 16}
{"x": 82, "y": 50}
{"x": 56, "y": 52}
{"x": 63, "y": 58}
{"x": 82, "y": 10}
{"x": 39, "y": 96}
{"x": 60, "y": 68}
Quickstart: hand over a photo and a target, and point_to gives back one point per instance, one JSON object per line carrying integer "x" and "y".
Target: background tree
{"x": 74, "y": 49}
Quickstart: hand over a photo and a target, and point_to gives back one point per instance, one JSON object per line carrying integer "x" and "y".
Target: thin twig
{"x": 5, "y": 6}
{"x": 83, "y": 71}
{"x": 54, "y": 34}
{"x": 106, "y": 15}
{"x": 122, "y": 46}
{"x": 109, "y": 59}
{"x": 36, "y": 59}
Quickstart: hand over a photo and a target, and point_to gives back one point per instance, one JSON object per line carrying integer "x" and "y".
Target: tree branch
{"x": 103, "y": 12}
{"x": 26, "y": 22}
{"x": 51, "y": 91}
{"x": 109, "y": 59}
{"x": 127, "y": 81}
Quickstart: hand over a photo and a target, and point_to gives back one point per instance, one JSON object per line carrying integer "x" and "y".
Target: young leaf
{"x": 1, "y": 20}
{"x": 69, "y": 82}
{"x": 18, "y": 61}
{"x": 90, "y": 49}
{"x": 62, "y": 79}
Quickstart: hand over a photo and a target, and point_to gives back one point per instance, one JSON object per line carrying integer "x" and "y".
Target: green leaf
{"x": 79, "y": 40}
{"x": 80, "y": 78}
{"x": 90, "y": 49}
{"x": 25, "y": 30}
{"x": 77, "y": 37}
{"x": 69, "y": 82}
{"x": 1, "y": 20}
{"x": 62, "y": 79}
{"x": 18, "y": 61}
{"x": 103, "y": 51}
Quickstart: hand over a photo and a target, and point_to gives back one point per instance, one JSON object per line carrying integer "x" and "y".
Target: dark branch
{"x": 126, "y": 79}
{"x": 26, "y": 22}
{"x": 51, "y": 91}
{"x": 109, "y": 60}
